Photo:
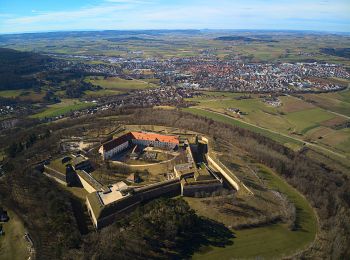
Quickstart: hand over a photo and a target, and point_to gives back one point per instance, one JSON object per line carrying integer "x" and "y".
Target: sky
{"x": 18, "y": 16}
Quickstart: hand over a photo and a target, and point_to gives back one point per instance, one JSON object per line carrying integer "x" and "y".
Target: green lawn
{"x": 10, "y": 93}
{"x": 120, "y": 84}
{"x": 102, "y": 92}
{"x": 65, "y": 106}
{"x": 273, "y": 241}
{"x": 12, "y": 244}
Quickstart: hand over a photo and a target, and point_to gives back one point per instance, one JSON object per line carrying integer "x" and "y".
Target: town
{"x": 225, "y": 75}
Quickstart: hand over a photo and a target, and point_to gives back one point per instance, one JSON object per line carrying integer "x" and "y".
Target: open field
{"x": 102, "y": 92}
{"x": 23, "y": 95}
{"x": 295, "y": 118}
{"x": 284, "y": 47}
{"x": 118, "y": 84}
{"x": 65, "y": 106}
{"x": 272, "y": 241}
{"x": 13, "y": 244}
{"x": 222, "y": 118}
{"x": 293, "y": 142}
{"x": 10, "y": 93}
{"x": 338, "y": 102}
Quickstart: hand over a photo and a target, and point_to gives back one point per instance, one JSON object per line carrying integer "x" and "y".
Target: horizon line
{"x": 178, "y": 29}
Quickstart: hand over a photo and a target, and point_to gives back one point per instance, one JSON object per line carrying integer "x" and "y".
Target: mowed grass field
{"x": 337, "y": 101}
{"x": 271, "y": 241}
{"x": 13, "y": 244}
{"x": 65, "y": 106}
{"x": 295, "y": 117}
{"x": 118, "y": 84}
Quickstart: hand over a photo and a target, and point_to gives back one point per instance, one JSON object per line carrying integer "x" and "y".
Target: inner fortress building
{"x": 113, "y": 147}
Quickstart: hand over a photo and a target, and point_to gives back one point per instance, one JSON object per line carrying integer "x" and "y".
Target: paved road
{"x": 275, "y": 132}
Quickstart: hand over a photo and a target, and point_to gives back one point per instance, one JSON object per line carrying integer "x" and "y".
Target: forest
{"x": 18, "y": 69}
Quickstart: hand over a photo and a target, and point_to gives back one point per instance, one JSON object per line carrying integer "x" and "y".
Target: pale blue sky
{"x": 54, "y": 15}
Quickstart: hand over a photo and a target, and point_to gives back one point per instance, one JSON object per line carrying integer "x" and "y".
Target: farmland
{"x": 230, "y": 90}
{"x": 65, "y": 106}
{"x": 10, "y": 93}
{"x": 296, "y": 118}
{"x": 118, "y": 85}
{"x": 338, "y": 102}
{"x": 286, "y": 47}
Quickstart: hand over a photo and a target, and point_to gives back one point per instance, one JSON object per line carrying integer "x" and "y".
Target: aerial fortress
{"x": 188, "y": 167}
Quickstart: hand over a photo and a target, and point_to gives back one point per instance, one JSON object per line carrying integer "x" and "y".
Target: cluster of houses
{"x": 208, "y": 72}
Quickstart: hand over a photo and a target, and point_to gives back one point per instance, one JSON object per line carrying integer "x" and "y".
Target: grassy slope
{"x": 338, "y": 102}
{"x": 12, "y": 244}
{"x": 273, "y": 240}
{"x": 310, "y": 122}
{"x": 221, "y": 118}
{"x": 61, "y": 108}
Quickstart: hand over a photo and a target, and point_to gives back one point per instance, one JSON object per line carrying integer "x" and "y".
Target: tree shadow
{"x": 209, "y": 233}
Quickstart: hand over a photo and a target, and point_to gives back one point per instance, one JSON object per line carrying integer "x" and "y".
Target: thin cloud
{"x": 155, "y": 14}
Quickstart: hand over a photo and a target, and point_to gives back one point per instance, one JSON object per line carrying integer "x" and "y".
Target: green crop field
{"x": 65, "y": 106}
{"x": 272, "y": 241}
{"x": 307, "y": 119}
{"x": 221, "y": 118}
{"x": 13, "y": 244}
{"x": 10, "y": 93}
{"x": 102, "y": 92}
{"x": 118, "y": 84}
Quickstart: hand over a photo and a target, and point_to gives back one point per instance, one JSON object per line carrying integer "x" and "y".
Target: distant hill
{"x": 18, "y": 69}
{"x": 243, "y": 38}
{"x": 134, "y": 38}
{"x": 91, "y": 34}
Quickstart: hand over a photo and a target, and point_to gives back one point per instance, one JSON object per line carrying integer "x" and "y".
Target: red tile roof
{"x": 139, "y": 136}
{"x": 156, "y": 137}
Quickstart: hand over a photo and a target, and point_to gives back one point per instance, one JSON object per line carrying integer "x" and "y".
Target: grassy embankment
{"x": 13, "y": 244}
{"x": 271, "y": 241}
